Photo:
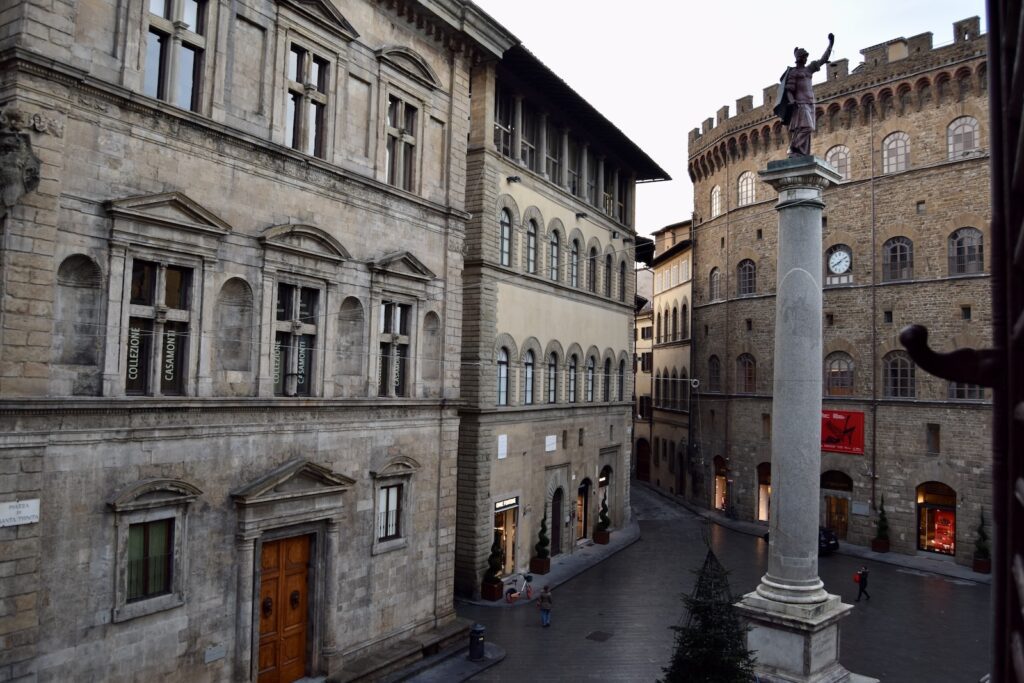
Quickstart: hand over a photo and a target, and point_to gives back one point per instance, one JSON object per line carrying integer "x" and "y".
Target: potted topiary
{"x": 880, "y": 543}
{"x": 601, "y": 533}
{"x": 541, "y": 562}
{"x": 491, "y": 587}
{"x": 982, "y": 554}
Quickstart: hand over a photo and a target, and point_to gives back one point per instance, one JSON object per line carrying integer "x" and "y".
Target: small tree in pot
{"x": 601, "y": 534}
{"x": 880, "y": 543}
{"x": 540, "y": 563}
{"x": 490, "y": 588}
{"x": 982, "y": 553}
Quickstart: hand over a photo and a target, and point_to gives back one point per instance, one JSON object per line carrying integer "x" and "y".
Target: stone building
{"x": 904, "y": 237}
{"x": 232, "y": 254}
{"x": 670, "y": 362}
{"x": 547, "y": 318}
{"x": 643, "y": 373}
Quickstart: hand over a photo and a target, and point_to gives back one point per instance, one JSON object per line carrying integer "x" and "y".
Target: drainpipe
{"x": 874, "y": 319}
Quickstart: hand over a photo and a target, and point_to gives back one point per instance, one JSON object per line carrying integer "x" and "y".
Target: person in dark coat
{"x": 544, "y": 602}
{"x": 862, "y": 583}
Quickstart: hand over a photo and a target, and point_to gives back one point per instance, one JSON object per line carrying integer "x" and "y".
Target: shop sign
{"x": 506, "y": 504}
{"x": 842, "y": 431}
{"x": 18, "y": 512}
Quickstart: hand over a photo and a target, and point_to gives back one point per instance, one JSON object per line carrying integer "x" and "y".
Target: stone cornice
{"x": 135, "y": 404}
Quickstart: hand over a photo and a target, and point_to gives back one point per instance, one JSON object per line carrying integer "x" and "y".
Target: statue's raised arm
{"x": 796, "y": 105}
{"x": 817, "y": 64}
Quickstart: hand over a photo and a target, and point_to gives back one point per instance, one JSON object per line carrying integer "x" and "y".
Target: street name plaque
{"x": 18, "y": 512}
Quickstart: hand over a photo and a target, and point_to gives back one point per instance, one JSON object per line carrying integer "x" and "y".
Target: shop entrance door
{"x": 505, "y": 529}
{"x": 582, "y": 509}
{"x": 556, "y": 522}
{"x": 283, "y": 609}
{"x": 837, "y": 514}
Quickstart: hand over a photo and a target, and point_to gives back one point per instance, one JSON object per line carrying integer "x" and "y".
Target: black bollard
{"x": 476, "y": 642}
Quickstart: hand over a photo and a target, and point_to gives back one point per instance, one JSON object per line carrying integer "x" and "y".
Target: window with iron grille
{"x": 895, "y": 152}
{"x": 898, "y": 259}
{"x": 838, "y": 374}
{"x": 175, "y": 46}
{"x": 746, "y": 278}
{"x": 899, "y": 375}
{"x": 746, "y": 374}
{"x": 962, "y": 137}
{"x": 389, "y": 512}
{"x": 966, "y": 252}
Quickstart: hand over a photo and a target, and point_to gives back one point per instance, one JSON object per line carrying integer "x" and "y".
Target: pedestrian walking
{"x": 862, "y": 583}
{"x": 544, "y": 603}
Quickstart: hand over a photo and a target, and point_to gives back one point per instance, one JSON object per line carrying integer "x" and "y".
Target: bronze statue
{"x": 795, "y": 101}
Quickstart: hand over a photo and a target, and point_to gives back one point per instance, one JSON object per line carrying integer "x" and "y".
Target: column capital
{"x": 805, "y": 172}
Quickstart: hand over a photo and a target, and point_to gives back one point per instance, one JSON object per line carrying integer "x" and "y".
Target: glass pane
{"x": 387, "y": 310}
{"x": 159, "y": 7}
{"x": 318, "y": 76}
{"x": 383, "y": 370}
{"x": 404, "y": 311}
{"x": 143, "y": 282}
{"x": 187, "y": 61}
{"x": 308, "y": 300}
{"x": 140, "y": 341}
{"x": 173, "y": 368}
{"x": 285, "y": 301}
{"x": 312, "y": 128}
{"x": 136, "y": 548}
{"x": 291, "y": 134}
{"x": 394, "y": 105}
{"x": 407, "y": 165}
{"x": 191, "y": 14}
{"x": 391, "y": 160}
{"x": 153, "y": 81}
{"x": 280, "y": 361}
{"x": 304, "y": 367}
{"x": 410, "y": 120}
{"x": 401, "y": 355}
{"x": 296, "y": 66}
{"x": 178, "y": 287}
{"x": 158, "y": 579}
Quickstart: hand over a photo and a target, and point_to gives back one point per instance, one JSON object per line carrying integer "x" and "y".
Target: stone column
{"x": 245, "y": 556}
{"x": 793, "y": 620}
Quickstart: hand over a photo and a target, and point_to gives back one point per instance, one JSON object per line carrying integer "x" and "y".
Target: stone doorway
{"x": 284, "y": 609}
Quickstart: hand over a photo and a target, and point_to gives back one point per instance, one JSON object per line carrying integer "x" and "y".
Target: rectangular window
{"x": 296, "y": 326}
{"x": 188, "y": 77}
{"x": 933, "y": 443}
{"x": 395, "y": 319}
{"x": 968, "y": 392}
{"x": 646, "y": 361}
{"x": 180, "y": 23}
{"x": 553, "y": 154}
{"x": 528, "y": 139}
{"x": 401, "y": 143}
{"x": 572, "y": 168}
{"x": 592, "y": 179}
{"x": 965, "y": 312}
{"x": 158, "y": 330}
{"x": 154, "y": 83}
{"x": 504, "y": 111}
{"x": 622, "y": 208}
{"x": 140, "y": 345}
{"x": 646, "y": 332}
{"x": 150, "y": 559}
{"x": 306, "y": 113}
{"x": 389, "y": 511}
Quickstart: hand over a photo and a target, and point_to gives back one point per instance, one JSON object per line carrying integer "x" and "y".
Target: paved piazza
{"x": 612, "y": 622}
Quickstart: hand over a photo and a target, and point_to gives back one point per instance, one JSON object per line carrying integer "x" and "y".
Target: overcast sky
{"x": 657, "y": 68}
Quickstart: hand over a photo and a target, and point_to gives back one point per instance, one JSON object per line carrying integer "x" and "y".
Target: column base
{"x": 796, "y": 643}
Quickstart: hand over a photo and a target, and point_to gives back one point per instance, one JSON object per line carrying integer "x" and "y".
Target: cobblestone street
{"x": 612, "y": 622}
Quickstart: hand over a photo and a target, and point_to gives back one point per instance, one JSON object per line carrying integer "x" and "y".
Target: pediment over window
{"x": 171, "y": 209}
{"x": 409, "y": 63}
{"x": 400, "y": 466}
{"x": 403, "y": 264}
{"x": 297, "y": 478}
{"x": 304, "y": 240}
{"x": 325, "y": 14}
{"x": 153, "y": 493}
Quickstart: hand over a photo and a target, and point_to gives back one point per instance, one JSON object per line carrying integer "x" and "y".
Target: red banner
{"x": 842, "y": 432}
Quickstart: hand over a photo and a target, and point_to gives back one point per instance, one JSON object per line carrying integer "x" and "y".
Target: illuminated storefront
{"x": 506, "y": 514}
{"x": 764, "y": 491}
{"x": 936, "y": 518}
{"x": 721, "y": 483}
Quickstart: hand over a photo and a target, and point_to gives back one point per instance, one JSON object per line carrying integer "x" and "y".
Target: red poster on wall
{"x": 842, "y": 431}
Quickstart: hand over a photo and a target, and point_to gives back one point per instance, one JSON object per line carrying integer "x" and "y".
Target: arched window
{"x": 716, "y": 201}
{"x": 746, "y": 278}
{"x": 898, "y": 259}
{"x": 622, "y": 380}
{"x": 528, "y": 378}
{"x": 608, "y": 275}
{"x": 606, "y": 381}
{"x": 553, "y": 266}
{"x": 895, "y": 152}
{"x": 505, "y": 242}
{"x": 622, "y": 281}
{"x": 839, "y": 158}
{"x": 590, "y": 380}
{"x": 745, "y": 186}
{"x": 553, "y": 378}
{"x": 962, "y": 136}
{"x": 531, "y": 247}
{"x": 592, "y": 270}
{"x": 673, "y": 390}
{"x": 838, "y": 374}
{"x": 574, "y": 264}
{"x": 572, "y": 379}
{"x": 684, "y": 322}
{"x": 503, "y": 377}
{"x": 715, "y": 288}
{"x": 746, "y": 374}
{"x": 714, "y": 374}
{"x": 675, "y": 324}
{"x": 966, "y": 253}
{"x": 899, "y": 375}
{"x": 657, "y": 388}
{"x": 657, "y": 328}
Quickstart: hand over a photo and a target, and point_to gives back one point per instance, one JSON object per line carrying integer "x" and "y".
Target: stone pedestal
{"x": 793, "y": 620}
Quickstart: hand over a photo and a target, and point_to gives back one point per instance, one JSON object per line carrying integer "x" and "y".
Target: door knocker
{"x": 268, "y": 607}
{"x": 294, "y": 598}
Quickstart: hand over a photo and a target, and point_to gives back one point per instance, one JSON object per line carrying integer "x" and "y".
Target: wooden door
{"x": 556, "y": 523}
{"x": 283, "y": 609}
{"x": 837, "y": 513}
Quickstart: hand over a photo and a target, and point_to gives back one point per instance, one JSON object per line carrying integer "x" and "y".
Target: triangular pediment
{"x": 404, "y": 264}
{"x": 172, "y": 209}
{"x": 324, "y": 13}
{"x": 410, "y": 63}
{"x": 153, "y": 493}
{"x": 305, "y": 240}
{"x": 296, "y": 478}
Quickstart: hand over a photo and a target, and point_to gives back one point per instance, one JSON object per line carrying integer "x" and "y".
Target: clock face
{"x": 839, "y": 261}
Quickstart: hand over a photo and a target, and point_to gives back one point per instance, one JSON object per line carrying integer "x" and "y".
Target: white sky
{"x": 657, "y": 68}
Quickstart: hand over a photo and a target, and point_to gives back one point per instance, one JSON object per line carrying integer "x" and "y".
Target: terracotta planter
{"x": 880, "y": 545}
{"x": 491, "y": 591}
{"x": 601, "y": 537}
{"x": 540, "y": 565}
{"x": 982, "y": 566}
